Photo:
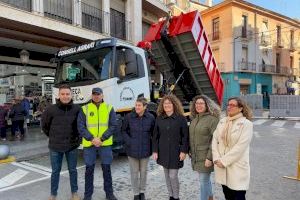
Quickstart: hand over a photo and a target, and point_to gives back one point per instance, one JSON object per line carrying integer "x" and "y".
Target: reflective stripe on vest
{"x": 97, "y": 122}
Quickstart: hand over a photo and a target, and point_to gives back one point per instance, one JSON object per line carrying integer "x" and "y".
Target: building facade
{"x": 42, "y": 27}
{"x": 258, "y": 50}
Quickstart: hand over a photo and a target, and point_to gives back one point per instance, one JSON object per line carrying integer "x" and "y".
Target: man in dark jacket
{"x": 17, "y": 115}
{"x": 137, "y": 131}
{"x": 59, "y": 123}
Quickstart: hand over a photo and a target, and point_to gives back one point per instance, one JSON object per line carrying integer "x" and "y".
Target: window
{"x": 215, "y": 31}
{"x": 277, "y": 62}
{"x": 244, "y": 26}
{"x": 88, "y": 66}
{"x": 292, "y": 39}
{"x": 291, "y": 61}
{"x": 244, "y": 54}
{"x": 128, "y": 64}
{"x": 244, "y": 89}
{"x": 278, "y": 28}
{"x": 117, "y": 24}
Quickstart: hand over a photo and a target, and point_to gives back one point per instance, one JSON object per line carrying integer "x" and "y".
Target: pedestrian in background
{"x": 3, "y": 122}
{"x": 59, "y": 123}
{"x": 96, "y": 124}
{"x": 170, "y": 141}
{"x": 230, "y": 147}
{"x": 17, "y": 114}
{"x": 137, "y": 132}
{"x": 205, "y": 114}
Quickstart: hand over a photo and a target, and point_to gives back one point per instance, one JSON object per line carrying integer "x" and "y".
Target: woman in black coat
{"x": 170, "y": 141}
{"x": 137, "y": 131}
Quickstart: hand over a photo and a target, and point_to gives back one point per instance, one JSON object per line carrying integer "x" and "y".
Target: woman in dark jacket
{"x": 137, "y": 130}
{"x": 170, "y": 141}
{"x": 205, "y": 114}
{"x": 17, "y": 115}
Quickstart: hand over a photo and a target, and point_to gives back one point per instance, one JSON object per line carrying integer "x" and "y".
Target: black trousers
{"x": 17, "y": 125}
{"x": 233, "y": 194}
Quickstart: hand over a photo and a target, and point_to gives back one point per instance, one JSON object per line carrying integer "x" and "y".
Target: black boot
{"x": 142, "y": 196}
{"x": 136, "y": 197}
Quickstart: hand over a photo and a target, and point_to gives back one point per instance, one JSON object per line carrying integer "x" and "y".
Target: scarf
{"x": 228, "y": 126}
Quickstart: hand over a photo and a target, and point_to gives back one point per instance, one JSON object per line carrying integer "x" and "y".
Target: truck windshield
{"x": 87, "y": 66}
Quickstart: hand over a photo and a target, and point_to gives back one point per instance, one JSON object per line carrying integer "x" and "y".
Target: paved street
{"x": 273, "y": 155}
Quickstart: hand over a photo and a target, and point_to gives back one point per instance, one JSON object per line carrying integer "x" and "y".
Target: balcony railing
{"x": 283, "y": 70}
{"x": 246, "y": 34}
{"x": 264, "y": 68}
{"x": 247, "y": 66}
{"x": 294, "y": 46}
{"x": 265, "y": 40}
{"x": 214, "y": 36}
{"x": 93, "y": 18}
{"x": 21, "y": 4}
{"x": 119, "y": 27}
{"x": 279, "y": 43}
{"x": 59, "y": 9}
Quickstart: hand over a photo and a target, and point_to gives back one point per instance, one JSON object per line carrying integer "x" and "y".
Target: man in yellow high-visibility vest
{"x": 96, "y": 124}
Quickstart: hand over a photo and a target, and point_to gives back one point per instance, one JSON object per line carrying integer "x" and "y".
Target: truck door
{"x": 132, "y": 80}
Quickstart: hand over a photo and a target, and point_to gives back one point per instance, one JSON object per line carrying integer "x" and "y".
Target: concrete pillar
{"x": 38, "y": 7}
{"x": 134, "y": 15}
{"x": 106, "y": 16}
{"x": 77, "y": 13}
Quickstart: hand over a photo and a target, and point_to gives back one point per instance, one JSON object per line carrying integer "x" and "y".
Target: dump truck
{"x": 174, "y": 57}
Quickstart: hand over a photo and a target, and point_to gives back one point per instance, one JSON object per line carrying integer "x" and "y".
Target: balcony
{"x": 93, "y": 18}
{"x": 283, "y": 70}
{"x": 246, "y": 66}
{"x": 294, "y": 46}
{"x": 119, "y": 27}
{"x": 265, "y": 40}
{"x": 268, "y": 69}
{"x": 245, "y": 34}
{"x": 279, "y": 43}
{"x": 21, "y": 4}
{"x": 214, "y": 36}
{"x": 58, "y": 9}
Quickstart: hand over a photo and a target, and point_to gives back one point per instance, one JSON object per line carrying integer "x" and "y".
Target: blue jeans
{"x": 205, "y": 185}
{"x": 56, "y": 163}
{"x": 90, "y": 155}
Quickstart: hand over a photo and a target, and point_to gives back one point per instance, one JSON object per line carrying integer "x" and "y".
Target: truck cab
{"x": 120, "y": 69}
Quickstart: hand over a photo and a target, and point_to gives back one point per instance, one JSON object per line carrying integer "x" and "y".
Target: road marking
{"x": 31, "y": 169}
{"x": 256, "y": 134}
{"x": 23, "y": 184}
{"x": 37, "y": 166}
{"x": 278, "y": 123}
{"x": 12, "y": 178}
{"x": 297, "y": 125}
{"x": 259, "y": 122}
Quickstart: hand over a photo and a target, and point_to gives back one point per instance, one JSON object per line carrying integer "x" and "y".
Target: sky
{"x": 290, "y": 8}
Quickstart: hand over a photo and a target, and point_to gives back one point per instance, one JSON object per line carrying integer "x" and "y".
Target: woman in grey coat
{"x": 205, "y": 114}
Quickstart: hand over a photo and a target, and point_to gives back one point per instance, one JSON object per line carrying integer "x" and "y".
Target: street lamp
{"x": 24, "y": 56}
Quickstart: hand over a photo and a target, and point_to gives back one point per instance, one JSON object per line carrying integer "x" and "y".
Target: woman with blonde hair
{"x": 230, "y": 148}
{"x": 205, "y": 114}
{"x": 170, "y": 141}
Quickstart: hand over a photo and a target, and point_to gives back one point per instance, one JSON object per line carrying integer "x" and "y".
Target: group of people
{"x": 17, "y": 114}
{"x": 213, "y": 144}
